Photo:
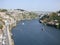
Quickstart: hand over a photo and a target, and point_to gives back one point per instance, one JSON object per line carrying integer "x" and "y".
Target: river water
{"x": 34, "y": 33}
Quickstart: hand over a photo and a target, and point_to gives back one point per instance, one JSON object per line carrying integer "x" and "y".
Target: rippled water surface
{"x": 34, "y": 33}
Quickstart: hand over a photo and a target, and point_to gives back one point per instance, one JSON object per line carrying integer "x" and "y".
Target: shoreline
{"x": 49, "y": 24}
{"x": 14, "y": 25}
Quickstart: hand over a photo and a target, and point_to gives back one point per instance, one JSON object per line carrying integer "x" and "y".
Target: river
{"x": 34, "y": 33}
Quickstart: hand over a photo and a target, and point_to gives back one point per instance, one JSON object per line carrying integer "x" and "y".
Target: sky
{"x": 31, "y": 5}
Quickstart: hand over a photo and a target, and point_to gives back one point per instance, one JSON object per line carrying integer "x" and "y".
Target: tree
{"x": 3, "y": 10}
{"x": 53, "y": 16}
{"x": 1, "y": 26}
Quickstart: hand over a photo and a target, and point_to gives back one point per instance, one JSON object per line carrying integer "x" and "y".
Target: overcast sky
{"x": 31, "y": 5}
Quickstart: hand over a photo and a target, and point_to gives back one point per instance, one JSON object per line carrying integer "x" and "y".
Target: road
{"x": 7, "y": 36}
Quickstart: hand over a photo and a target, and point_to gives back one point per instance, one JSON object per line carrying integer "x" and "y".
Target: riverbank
{"x": 52, "y": 24}
{"x": 12, "y": 17}
{"x": 14, "y": 25}
{"x": 52, "y": 19}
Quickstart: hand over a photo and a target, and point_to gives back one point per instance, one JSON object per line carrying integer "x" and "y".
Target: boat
{"x": 22, "y": 23}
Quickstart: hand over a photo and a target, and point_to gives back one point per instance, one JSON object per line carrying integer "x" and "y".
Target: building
{"x": 58, "y": 14}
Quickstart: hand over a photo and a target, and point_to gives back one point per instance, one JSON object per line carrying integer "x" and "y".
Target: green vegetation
{"x": 1, "y": 26}
{"x": 20, "y": 9}
{"x": 3, "y": 10}
{"x": 45, "y": 16}
{"x": 33, "y": 15}
{"x": 55, "y": 16}
{"x": 59, "y": 25}
{"x": 52, "y": 18}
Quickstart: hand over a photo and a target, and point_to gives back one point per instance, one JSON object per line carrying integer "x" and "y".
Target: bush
{"x": 3, "y": 10}
{"x": 1, "y": 26}
{"x": 59, "y": 25}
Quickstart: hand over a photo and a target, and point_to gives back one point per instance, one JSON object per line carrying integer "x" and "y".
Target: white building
{"x": 58, "y": 14}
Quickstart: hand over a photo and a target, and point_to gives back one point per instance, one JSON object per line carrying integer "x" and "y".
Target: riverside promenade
{"x": 7, "y": 34}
